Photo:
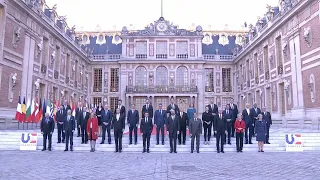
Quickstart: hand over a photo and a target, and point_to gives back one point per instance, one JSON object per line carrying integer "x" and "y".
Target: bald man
{"x": 47, "y": 128}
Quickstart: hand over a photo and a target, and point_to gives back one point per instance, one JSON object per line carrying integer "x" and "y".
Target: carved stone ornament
{"x": 116, "y": 39}
{"x": 73, "y": 68}
{"x": 223, "y": 39}
{"x": 284, "y": 48}
{"x": 62, "y": 92}
{"x": 16, "y": 37}
{"x": 37, "y": 84}
{"x": 39, "y": 48}
{"x": 239, "y": 40}
{"x": 312, "y": 88}
{"x": 101, "y": 39}
{"x": 307, "y": 36}
{"x": 271, "y": 59}
{"x": 270, "y": 12}
{"x": 207, "y": 39}
{"x": 53, "y": 57}
{"x": 13, "y": 80}
{"x": 161, "y": 27}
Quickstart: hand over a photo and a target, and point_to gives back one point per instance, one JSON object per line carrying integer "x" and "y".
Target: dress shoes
{"x": 267, "y": 143}
{"x": 175, "y": 151}
{"x": 66, "y": 150}
{"x": 102, "y": 142}
{"x": 49, "y": 149}
{"x": 222, "y": 151}
{"x": 116, "y": 151}
{"x": 162, "y": 143}
{"x": 43, "y": 149}
{"x": 171, "y": 151}
{"x": 71, "y": 148}
{"x": 59, "y": 142}
{"x": 250, "y": 143}
{"x": 62, "y": 141}
{"x": 191, "y": 151}
{"x": 157, "y": 144}
{"x": 198, "y": 151}
{"x": 144, "y": 151}
{"x": 218, "y": 151}
{"x": 148, "y": 151}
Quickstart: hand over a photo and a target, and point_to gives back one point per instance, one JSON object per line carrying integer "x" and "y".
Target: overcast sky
{"x": 110, "y": 14}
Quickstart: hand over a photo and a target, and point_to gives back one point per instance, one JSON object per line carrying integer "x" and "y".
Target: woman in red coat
{"x": 240, "y": 127}
{"x": 92, "y": 129}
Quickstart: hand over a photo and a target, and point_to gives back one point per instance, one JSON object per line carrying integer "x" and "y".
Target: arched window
{"x": 141, "y": 76}
{"x": 161, "y": 76}
{"x": 182, "y": 76}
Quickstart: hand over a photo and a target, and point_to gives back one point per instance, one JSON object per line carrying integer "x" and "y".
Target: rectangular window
{"x": 162, "y": 50}
{"x": 279, "y": 50}
{"x": 247, "y": 70}
{"x": 226, "y": 80}
{"x": 45, "y": 51}
{"x": 182, "y": 49}
{"x": 114, "y": 79}
{"x": 113, "y": 103}
{"x": 256, "y": 69}
{"x": 266, "y": 57}
{"x": 97, "y": 80}
{"x": 141, "y": 49}
{"x": 67, "y": 67}
{"x": 57, "y": 58}
{"x": 97, "y": 100}
{"x": 209, "y": 79}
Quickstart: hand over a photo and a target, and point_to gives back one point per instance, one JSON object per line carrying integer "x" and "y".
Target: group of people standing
{"x": 226, "y": 124}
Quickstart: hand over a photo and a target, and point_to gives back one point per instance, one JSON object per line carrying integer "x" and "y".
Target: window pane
{"x": 141, "y": 76}
{"x": 182, "y": 76}
{"x": 161, "y": 76}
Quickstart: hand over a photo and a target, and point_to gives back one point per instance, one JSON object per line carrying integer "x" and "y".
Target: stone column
{"x": 123, "y": 83}
{"x": 298, "y": 111}
{"x": 200, "y": 91}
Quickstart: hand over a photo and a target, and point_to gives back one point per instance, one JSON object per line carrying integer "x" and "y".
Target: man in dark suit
{"x": 118, "y": 125}
{"x": 106, "y": 123}
{"x": 160, "y": 117}
{"x": 173, "y": 127}
{"x": 69, "y": 126}
{"x": 228, "y": 116}
{"x": 183, "y": 127}
{"x": 84, "y": 116}
{"x": 121, "y": 107}
{"x": 60, "y": 120}
{"x": 195, "y": 131}
{"x": 79, "y": 117}
{"x": 267, "y": 118}
{"x": 246, "y": 115}
{"x": 147, "y": 108}
{"x": 133, "y": 121}
{"x": 173, "y": 106}
{"x": 213, "y": 109}
{"x": 146, "y": 130}
{"x": 66, "y": 107}
{"x": 220, "y": 127}
{"x": 47, "y": 128}
{"x": 255, "y": 111}
{"x": 234, "y": 110}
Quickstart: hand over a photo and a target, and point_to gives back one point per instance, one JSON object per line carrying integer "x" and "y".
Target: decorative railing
{"x": 209, "y": 88}
{"x": 106, "y": 57}
{"x": 218, "y": 57}
{"x": 114, "y": 89}
{"x": 161, "y": 89}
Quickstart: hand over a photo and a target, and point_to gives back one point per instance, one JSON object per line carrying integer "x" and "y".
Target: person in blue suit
{"x": 133, "y": 121}
{"x": 106, "y": 123}
{"x": 160, "y": 116}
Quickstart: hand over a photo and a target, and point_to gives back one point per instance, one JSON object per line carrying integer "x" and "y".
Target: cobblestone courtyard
{"x": 81, "y": 165}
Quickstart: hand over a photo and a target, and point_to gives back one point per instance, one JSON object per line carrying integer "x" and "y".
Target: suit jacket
{"x": 239, "y": 124}
{"x": 60, "y": 116}
{"x": 183, "y": 120}
{"x": 160, "y": 117}
{"x": 69, "y": 125}
{"x": 106, "y": 116}
{"x": 122, "y": 110}
{"x": 149, "y": 110}
{"x": 47, "y": 127}
{"x": 173, "y": 124}
{"x": 195, "y": 127}
{"x": 79, "y": 116}
{"x": 176, "y": 109}
{"x": 235, "y": 111}
{"x": 65, "y": 110}
{"x": 220, "y": 124}
{"x": 254, "y": 114}
{"x": 267, "y": 118}
{"x": 84, "y": 119}
{"x": 214, "y": 109}
{"x": 118, "y": 124}
{"x": 226, "y": 116}
{"x": 146, "y": 127}
{"x": 133, "y": 117}
{"x": 247, "y": 118}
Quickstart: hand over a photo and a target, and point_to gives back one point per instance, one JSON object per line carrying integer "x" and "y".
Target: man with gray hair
{"x": 69, "y": 126}
{"x": 47, "y": 128}
{"x": 173, "y": 126}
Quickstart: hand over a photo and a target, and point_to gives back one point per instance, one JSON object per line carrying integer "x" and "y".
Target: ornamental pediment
{"x": 161, "y": 27}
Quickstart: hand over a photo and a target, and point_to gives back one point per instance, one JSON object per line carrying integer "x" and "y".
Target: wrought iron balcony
{"x": 161, "y": 89}
{"x": 209, "y": 89}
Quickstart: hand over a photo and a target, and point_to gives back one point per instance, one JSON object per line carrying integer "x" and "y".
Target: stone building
{"x": 273, "y": 62}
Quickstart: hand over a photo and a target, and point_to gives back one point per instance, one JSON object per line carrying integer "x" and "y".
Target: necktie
{"x": 220, "y": 116}
{"x": 160, "y": 111}
{"x": 146, "y": 119}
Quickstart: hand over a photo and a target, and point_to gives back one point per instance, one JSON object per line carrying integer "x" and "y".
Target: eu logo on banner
{"x": 294, "y": 143}
{"x": 28, "y": 141}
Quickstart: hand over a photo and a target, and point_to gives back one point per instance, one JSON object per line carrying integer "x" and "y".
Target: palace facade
{"x": 274, "y": 62}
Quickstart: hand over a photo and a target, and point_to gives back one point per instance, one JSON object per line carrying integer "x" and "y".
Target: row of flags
{"x": 34, "y": 111}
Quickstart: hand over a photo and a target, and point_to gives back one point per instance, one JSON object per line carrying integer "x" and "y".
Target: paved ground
{"x": 53, "y": 165}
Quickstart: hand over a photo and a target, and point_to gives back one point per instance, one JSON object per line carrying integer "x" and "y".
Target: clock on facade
{"x": 162, "y": 27}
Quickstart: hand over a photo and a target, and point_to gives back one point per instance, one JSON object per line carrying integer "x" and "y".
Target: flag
{"x": 23, "y": 110}
{"x": 74, "y": 110}
{"x": 51, "y": 110}
{"x": 39, "y": 115}
{"x": 28, "y": 112}
{"x": 54, "y": 111}
{"x": 31, "y": 109}
{"x": 48, "y": 107}
{"x": 44, "y": 109}
{"x": 36, "y": 111}
{"x": 71, "y": 105}
{"x": 19, "y": 111}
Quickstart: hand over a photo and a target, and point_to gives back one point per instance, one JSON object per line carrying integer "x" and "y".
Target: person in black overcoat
{"x": 261, "y": 132}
